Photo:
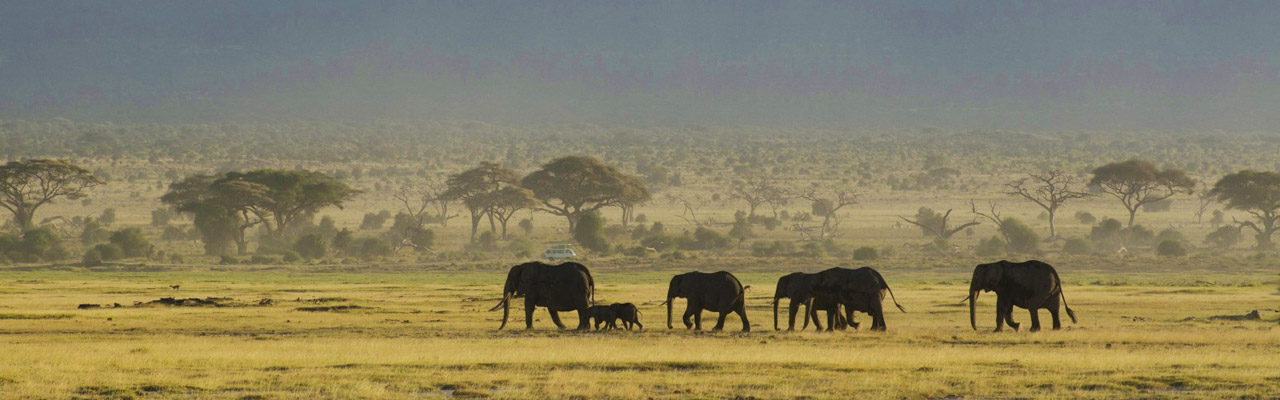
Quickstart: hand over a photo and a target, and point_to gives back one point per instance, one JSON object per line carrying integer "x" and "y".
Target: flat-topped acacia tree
{"x": 576, "y": 185}
{"x": 25, "y": 186}
{"x": 1138, "y": 182}
{"x": 1257, "y": 193}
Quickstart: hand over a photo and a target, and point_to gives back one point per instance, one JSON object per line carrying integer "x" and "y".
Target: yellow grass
{"x": 418, "y": 339}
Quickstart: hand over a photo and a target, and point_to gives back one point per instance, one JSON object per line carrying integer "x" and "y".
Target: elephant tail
{"x": 886, "y": 287}
{"x": 1070, "y": 314}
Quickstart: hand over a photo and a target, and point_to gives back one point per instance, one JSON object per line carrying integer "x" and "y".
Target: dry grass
{"x": 424, "y": 334}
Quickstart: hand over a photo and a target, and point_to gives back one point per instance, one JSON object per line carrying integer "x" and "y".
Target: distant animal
{"x": 603, "y": 315}
{"x": 563, "y": 287}
{"x": 862, "y": 289}
{"x": 717, "y": 292}
{"x": 175, "y": 287}
{"x": 1032, "y": 285}
{"x": 88, "y": 306}
{"x": 628, "y": 313}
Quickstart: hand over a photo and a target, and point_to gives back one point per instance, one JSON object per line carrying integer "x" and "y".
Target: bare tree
{"x": 1049, "y": 190}
{"x": 434, "y": 189}
{"x": 757, "y": 190}
{"x": 991, "y": 215}
{"x": 938, "y": 225}
{"x": 690, "y": 212}
{"x": 1204, "y": 198}
{"x": 835, "y": 200}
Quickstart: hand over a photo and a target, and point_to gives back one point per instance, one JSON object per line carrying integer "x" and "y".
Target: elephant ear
{"x": 994, "y": 274}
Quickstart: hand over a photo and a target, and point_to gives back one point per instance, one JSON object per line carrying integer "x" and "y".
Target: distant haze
{"x": 1107, "y": 65}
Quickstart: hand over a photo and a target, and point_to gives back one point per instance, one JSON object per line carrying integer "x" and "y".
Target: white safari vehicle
{"x": 559, "y": 253}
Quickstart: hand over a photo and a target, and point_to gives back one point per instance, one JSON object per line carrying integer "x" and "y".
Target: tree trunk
{"x": 475, "y": 225}
{"x": 1053, "y": 233}
{"x": 22, "y": 218}
{"x": 1132, "y": 212}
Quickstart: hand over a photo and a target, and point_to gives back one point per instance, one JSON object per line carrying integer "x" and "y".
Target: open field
{"x": 421, "y": 332}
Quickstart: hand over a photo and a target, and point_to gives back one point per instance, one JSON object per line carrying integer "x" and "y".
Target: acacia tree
{"x": 1138, "y": 182}
{"x": 936, "y": 225}
{"x": 221, "y": 211}
{"x": 281, "y": 196}
{"x": 1204, "y": 198}
{"x": 505, "y": 202}
{"x": 757, "y": 190}
{"x": 1049, "y": 190}
{"x": 1257, "y": 193}
{"x": 25, "y": 186}
{"x": 576, "y": 185}
{"x": 833, "y": 202}
{"x": 475, "y": 189}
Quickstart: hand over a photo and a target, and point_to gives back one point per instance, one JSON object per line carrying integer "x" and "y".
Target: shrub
{"x": 311, "y": 246}
{"x": 641, "y": 218}
{"x": 1170, "y": 234}
{"x": 160, "y": 217}
{"x": 526, "y": 226}
{"x": 1077, "y": 246}
{"x": 1224, "y": 237}
{"x": 132, "y": 242}
{"x": 707, "y": 239}
{"x": 1139, "y": 235}
{"x": 374, "y": 247}
{"x": 658, "y": 227}
{"x": 589, "y": 232}
{"x": 1171, "y": 248}
{"x": 992, "y": 247}
{"x": 374, "y": 221}
{"x": 813, "y": 249}
{"x": 1022, "y": 239}
{"x": 522, "y": 248}
{"x": 422, "y": 239}
{"x": 865, "y": 253}
{"x": 772, "y": 248}
{"x": 173, "y": 234}
{"x": 1086, "y": 218}
{"x": 108, "y": 217}
{"x": 659, "y": 242}
{"x": 108, "y": 252}
{"x": 92, "y": 257}
{"x": 93, "y": 233}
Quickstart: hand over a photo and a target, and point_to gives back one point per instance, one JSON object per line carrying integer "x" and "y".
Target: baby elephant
{"x": 628, "y": 313}
{"x": 603, "y": 315}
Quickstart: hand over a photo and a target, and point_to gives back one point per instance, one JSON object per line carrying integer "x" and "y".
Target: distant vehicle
{"x": 559, "y": 253}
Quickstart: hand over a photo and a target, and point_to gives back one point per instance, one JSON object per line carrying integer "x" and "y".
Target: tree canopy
{"x": 1138, "y": 182}
{"x": 576, "y": 185}
{"x": 25, "y": 186}
{"x": 1257, "y": 193}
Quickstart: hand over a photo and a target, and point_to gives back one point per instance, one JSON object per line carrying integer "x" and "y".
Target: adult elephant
{"x": 798, "y": 288}
{"x": 564, "y": 287}
{"x": 1032, "y": 285}
{"x": 717, "y": 292}
{"x": 860, "y": 289}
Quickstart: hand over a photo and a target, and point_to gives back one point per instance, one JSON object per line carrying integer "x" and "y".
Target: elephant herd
{"x": 1031, "y": 285}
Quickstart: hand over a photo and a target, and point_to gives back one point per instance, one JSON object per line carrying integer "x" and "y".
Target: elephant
{"x": 603, "y": 315}
{"x": 1031, "y": 285}
{"x": 861, "y": 289}
{"x": 717, "y": 292}
{"x": 564, "y": 287}
{"x": 628, "y": 313}
{"x": 798, "y": 288}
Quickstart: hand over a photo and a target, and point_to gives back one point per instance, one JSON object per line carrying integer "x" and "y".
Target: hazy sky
{"x": 955, "y": 64}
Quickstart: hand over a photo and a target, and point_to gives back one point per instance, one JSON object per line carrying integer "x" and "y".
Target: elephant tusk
{"x": 505, "y": 298}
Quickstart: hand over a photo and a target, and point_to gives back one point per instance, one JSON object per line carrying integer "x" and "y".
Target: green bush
{"x": 772, "y": 248}
{"x": 708, "y": 239}
{"x": 374, "y": 247}
{"x": 108, "y": 252}
{"x": 93, "y": 233}
{"x": 92, "y": 257}
{"x": 1077, "y": 246}
{"x": 1022, "y": 239}
{"x": 311, "y": 246}
{"x": 659, "y": 242}
{"x": 589, "y": 232}
{"x": 1170, "y": 234}
{"x": 813, "y": 249}
{"x": 1224, "y": 237}
{"x": 865, "y": 253}
{"x": 1171, "y": 248}
{"x": 522, "y": 248}
{"x": 132, "y": 242}
{"x": 992, "y": 247}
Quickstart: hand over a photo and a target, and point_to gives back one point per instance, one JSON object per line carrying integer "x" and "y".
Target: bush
{"x": 526, "y": 226}
{"x": 173, "y": 234}
{"x": 311, "y": 246}
{"x": 1139, "y": 235}
{"x": 772, "y": 248}
{"x": 813, "y": 249}
{"x": 992, "y": 247}
{"x": 658, "y": 227}
{"x": 1171, "y": 248}
{"x": 589, "y": 232}
{"x": 160, "y": 217}
{"x": 108, "y": 252}
{"x": 659, "y": 242}
{"x": 820, "y": 207}
{"x": 1077, "y": 246}
{"x": 374, "y": 247}
{"x": 132, "y": 242}
{"x": 1086, "y": 218}
{"x": 1224, "y": 237}
{"x": 1170, "y": 234}
{"x": 1022, "y": 239}
{"x": 707, "y": 239}
{"x": 108, "y": 217}
{"x": 92, "y": 257}
{"x": 373, "y": 222}
{"x": 423, "y": 240}
{"x": 522, "y": 248}
{"x": 93, "y": 233}
{"x": 865, "y": 253}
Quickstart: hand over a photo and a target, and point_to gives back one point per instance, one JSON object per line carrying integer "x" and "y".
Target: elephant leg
{"x": 1001, "y": 305}
{"x": 597, "y": 324}
{"x": 697, "y": 319}
{"x": 848, "y": 318}
{"x": 793, "y": 306}
{"x": 1008, "y": 317}
{"x": 1035, "y": 319}
{"x": 812, "y": 313}
{"x": 720, "y": 321}
{"x": 555, "y": 318}
{"x": 688, "y": 316}
{"x": 528, "y": 314}
{"x": 742, "y": 314}
{"x": 639, "y": 325}
{"x": 831, "y": 320}
{"x": 1053, "y": 313}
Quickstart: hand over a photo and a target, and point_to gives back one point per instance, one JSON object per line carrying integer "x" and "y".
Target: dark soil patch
{"x": 341, "y": 308}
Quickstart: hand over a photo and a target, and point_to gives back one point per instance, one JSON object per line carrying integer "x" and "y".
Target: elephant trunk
{"x": 973, "y": 299}
{"x": 505, "y": 304}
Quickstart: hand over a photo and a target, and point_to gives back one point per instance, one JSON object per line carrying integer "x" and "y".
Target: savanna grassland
{"x": 423, "y": 332}
{"x": 413, "y": 324}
